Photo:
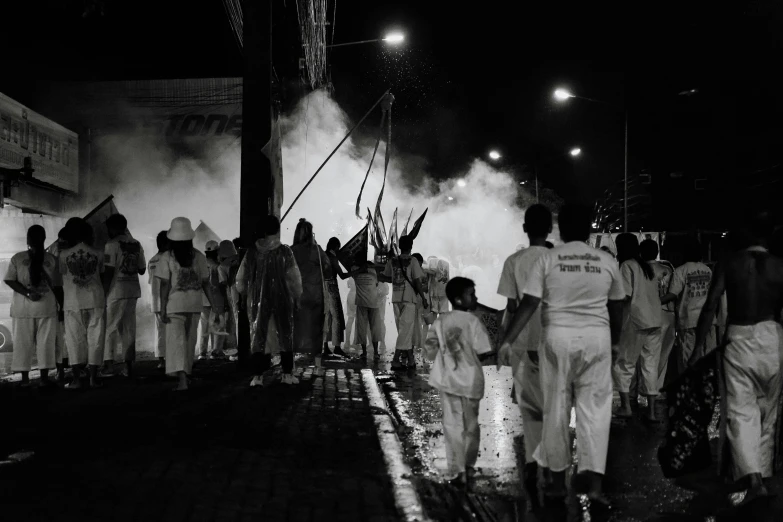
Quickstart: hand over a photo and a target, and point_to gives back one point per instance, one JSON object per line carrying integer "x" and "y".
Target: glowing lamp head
{"x": 462, "y": 183}
{"x": 451, "y": 199}
{"x": 575, "y": 152}
{"x": 394, "y": 38}
{"x": 494, "y": 155}
{"x": 562, "y": 95}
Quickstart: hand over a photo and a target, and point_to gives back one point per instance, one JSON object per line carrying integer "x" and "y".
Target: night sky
{"x": 481, "y": 76}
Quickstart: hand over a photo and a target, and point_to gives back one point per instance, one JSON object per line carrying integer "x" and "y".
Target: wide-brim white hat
{"x": 181, "y": 230}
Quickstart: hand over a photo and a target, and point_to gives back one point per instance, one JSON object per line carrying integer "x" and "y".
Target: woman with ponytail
{"x": 641, "y": 335}
{"x": 33, "y": 277}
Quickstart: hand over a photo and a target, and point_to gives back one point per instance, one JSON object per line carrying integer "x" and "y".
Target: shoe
{"x": 289, "y": 379}
{"x": 397, "y": 366}
{"x": 363, "y": 356}
{"x": 105, "y": 374}
{"x": 258, "y": 380}
{"x": 458, "y": 482}
{"x": 202, "y": 357}
{"x": 218, "y": 355}
{"x": 233, "y": 358}
{"x": 339, "y": 351}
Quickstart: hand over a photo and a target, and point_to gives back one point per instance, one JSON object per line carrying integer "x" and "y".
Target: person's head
{"x": 418, "y": 258}
{"x": 267, "y": 226}
{"x": 333, "y": 245}
{"x": 461, "y": 293}
{"x": 304, "y": 232}
{"x": 36, "y": 236}
{"x": 693, "y": 251}
{"x": 211, "y": 250}
{"x": 649, "y": 249}
{"x": 627, "y": 247}
{"x": 181, "y": 236}
{"x": 116, "y": 225}
{"x": 538, "y": 222}
{"x": 163, "y": 241}
{"x": 63, "y": 239}
{"x": 575, "y": 223}
{"x": 79, "y": 231}
{"x": 406, "y": 244}
{"x": 226, "y": 250}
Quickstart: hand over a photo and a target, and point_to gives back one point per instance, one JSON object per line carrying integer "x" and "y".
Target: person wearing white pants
{"x": 124, "y": 262}
{"x": 526, "y": 386}
{"x": 81, "y": 267}
{"x": 33, "y": 277}
{"x": 582, "y": 294}
{"x": 184, "y": 280}
{"x": 154, "y": 281}
{"x": 641, "y": 334}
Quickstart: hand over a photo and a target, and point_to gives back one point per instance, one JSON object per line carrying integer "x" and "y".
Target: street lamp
{"x": 494, "y": 155}
{"x": 575, "y": 152}
{"x": 563, "y": 95}
{"x": 462, "y": 183}
{"x": 391, "y": 38}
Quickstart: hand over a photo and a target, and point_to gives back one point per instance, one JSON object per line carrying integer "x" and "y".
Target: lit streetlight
{"x": 462, "y": 183}
{"x": 576, "y": 151}
{"x": 494, "y": 155}
{"x": 563, "y": 95}
{"x": 391, "y": 38}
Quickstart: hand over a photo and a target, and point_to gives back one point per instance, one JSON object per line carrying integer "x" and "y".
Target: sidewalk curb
{"x": 405, "y": 495}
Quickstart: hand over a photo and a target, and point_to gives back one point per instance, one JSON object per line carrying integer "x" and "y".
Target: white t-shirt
{"x": 663, "y": 275}
{"x": 154, "y": 281}
{"x": 574, "y": 282}
{"x": 185, "y": 283}
{"x": 127, "y": 257}
{"x": 690, "y": 284}
{"x": 81, "y": 267}
{"x": 455, "y": 340}
{"x": 645, "y": 306}
{"x": 367, "y": 288}
{"x": 512, "y": 285}
{"x": 19, "y": 270}
{"x": 402, "y": 292}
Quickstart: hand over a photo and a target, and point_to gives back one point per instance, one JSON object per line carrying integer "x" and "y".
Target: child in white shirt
{"x": 454, "y": 344}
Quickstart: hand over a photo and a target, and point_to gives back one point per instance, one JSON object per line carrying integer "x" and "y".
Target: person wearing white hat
{"x": 184, "y": 279}
{"x": 213, "y": 318}
{"x": 124, "y": 261}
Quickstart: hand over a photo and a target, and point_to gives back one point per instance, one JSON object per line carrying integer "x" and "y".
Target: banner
{"x": 354, "y": 251}
{"x": 380, "y": 228}
{"x": 273, "y": 150}
{"x": 405, "y": 228}
{"x": 371, "y": 230}
{"x": 203, "y": 235}
{"x": 417, "y": 225}
{"x": 393, "y": 244}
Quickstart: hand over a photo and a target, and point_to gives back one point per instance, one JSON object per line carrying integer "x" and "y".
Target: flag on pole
{"x": 391, "y": 246}
{"x": 354, "y": 252}
{"x": 380, "y": 228}
{"x": 371, "y": 229}
{"x": 417, "y": 225}
{"x": 97, "y": 219}
{"x": 405, "y": 228}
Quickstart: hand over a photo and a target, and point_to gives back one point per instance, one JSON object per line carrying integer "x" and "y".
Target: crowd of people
{"x": 579, "y": 325}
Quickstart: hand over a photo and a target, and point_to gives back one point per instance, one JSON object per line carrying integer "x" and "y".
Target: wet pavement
{"x": 634, "y": 482}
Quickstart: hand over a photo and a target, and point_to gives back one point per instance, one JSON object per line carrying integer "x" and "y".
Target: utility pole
{"x": 256, "y": 170}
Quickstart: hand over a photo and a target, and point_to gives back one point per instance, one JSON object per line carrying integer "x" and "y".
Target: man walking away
{"x": 524, "y": 349}
{"x": 405, "y": 274}
{"x": 124, "y": 262}
{"x": 160, "y": 328}
{"x": 663, "y": 275}
{"x": 753, "y": 282}
{"x": 583, "y": 294}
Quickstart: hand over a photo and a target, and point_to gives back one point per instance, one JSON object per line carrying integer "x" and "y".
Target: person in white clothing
{"x": 688, "y": 288}
{"x": 215, "y": 325}
{"x": 641, "y": 335}
{"x": 455, "y": 343}
{"x": 81, "y": 267}
{"x": 437, "y": 271}
{"x": 350, "y": 315}
{"x": 526, "y": 385}
{"x": 663, "y": 275}
{"x": 124, "y": 262}
{"x": 154, "y": 281}
{"x": 581, "y": 293}
{"x": 184, "y": 281}
{"x": 60, "y": 350}
{"x": 368, "y": 318}
{"x": 37, "y": 286}
{"x": 383, "y": 297}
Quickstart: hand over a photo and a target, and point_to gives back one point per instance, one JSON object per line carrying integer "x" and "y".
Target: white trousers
{"x": 368, "y": 323}
{"x": 160, "y": 337}
{"x": 530, "y": 398}
{"x": 633, "y": 345}
{"x": 461, "y": 431}
{"x": 60, "y": 351}
{"x": 405, "y": 317}
{"x": 34, "y": 336}
{"x": 752, "y": 364}
{"x": 120, "y": 330}
{"x": 668, "y": 335}
{"x": 440, "y": 304}
{"x": 84, "y": 335}
{"x": 351, "y": 327}
{"x": 203, "y": 330}
{"x": 576, "y": 365}
{"x": 181, "y": 339}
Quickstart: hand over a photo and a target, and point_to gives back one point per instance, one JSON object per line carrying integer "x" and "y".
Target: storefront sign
{"x": 53, "y": 148}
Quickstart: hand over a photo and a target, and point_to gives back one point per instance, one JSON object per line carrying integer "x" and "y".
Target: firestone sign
{"x": 53, "y": 148}
{"x": 204, "y": 125}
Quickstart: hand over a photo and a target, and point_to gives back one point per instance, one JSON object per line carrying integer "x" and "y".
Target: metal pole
{"x": 537, "y": 200}
{"x": 354, "y": 43}
{"x": 625, "y": 178}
